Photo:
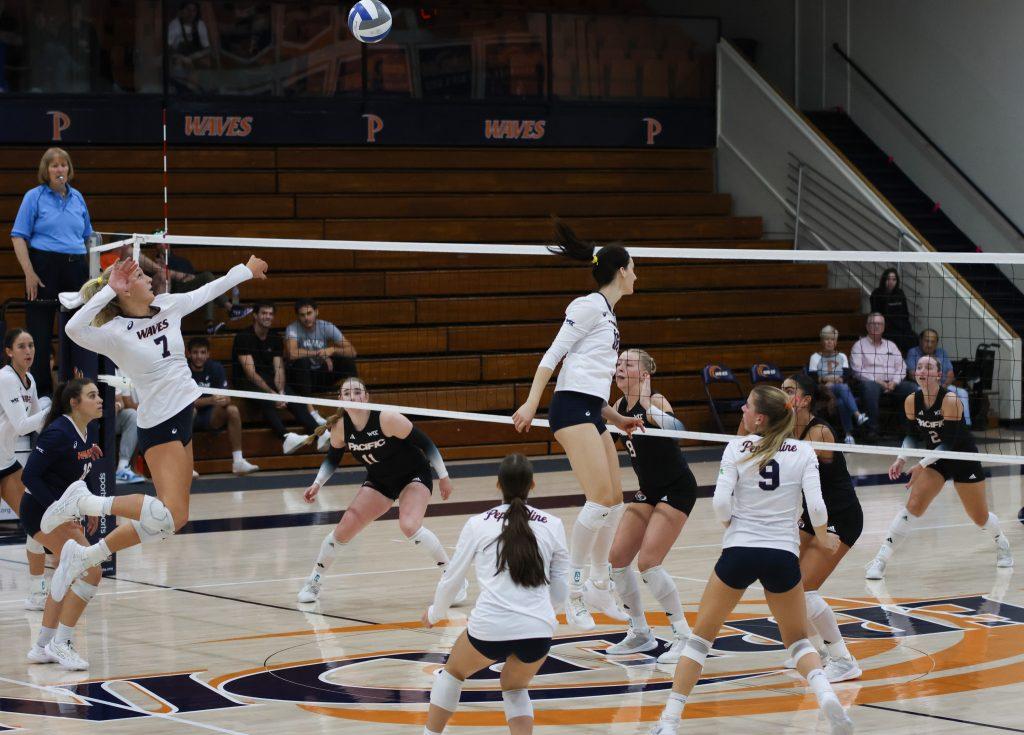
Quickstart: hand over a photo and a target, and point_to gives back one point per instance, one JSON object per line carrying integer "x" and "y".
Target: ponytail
{"x": 62, "y": 397}
{"x": 517, "y": 545}
{"x": 92, "y": 287}
{"x": 773, "y": 404}
{"x": 607, "y": 261}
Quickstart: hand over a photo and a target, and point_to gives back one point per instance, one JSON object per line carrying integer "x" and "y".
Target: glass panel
{"x": 80, "y": 46}
{"x": 614, "y": 57}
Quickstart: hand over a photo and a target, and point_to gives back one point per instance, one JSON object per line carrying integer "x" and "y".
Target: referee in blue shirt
{"x": 49, "y": 236}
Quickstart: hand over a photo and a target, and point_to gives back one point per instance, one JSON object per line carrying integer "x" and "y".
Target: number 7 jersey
{"x": 763, "y": 504}
{"x": 150, "y": 350}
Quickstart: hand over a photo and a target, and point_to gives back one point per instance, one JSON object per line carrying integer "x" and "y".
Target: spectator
{"x": 890, "y": 301}
{"x": 929, "y": 345}
{"x": 831, "y": 369}
{"x": 126, "y": 403}
{"x": 258, "y": 365}
{"x": 879, "y": 368}
{"x": 49, "y": 237}
{"x": 188, "y": 42}
{"x": 213, "y": 412}
{"x": 317, "y": 353}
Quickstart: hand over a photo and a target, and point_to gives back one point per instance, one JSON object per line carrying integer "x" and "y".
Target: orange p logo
{"x": 653, "y": 129}
{"x": 373, "y": 126}
{"x": 61, "y": 121}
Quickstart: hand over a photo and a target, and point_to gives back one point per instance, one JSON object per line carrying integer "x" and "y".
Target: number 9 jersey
{"x": 150, "y": 350}
{"x": 763, "y": 504}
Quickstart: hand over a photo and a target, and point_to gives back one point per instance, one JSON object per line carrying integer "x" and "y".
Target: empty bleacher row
{"x": 463, "y": 332}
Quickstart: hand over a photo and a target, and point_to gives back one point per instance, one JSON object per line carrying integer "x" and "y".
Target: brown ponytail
{"x": 773, "y": 404}
{"x": 517, "y": 546}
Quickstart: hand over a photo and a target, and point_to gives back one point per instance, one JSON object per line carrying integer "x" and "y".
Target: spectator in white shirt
{"x": 879, "y": 368}
{"x": 521, "y": 564}
{"x": 831, "y": 369}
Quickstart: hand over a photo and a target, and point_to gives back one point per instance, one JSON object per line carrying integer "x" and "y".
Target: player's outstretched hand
{"x": 311, "y": 492}
{"x": 257, "y": 266}
{"x": 896, "y": 469}
{"x": 446, "y": 488}
{"x": 122, "y": 275}
{"x": 628, "y": 424}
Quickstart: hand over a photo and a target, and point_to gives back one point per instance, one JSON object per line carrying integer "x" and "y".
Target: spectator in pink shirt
{"x": 879, "y": 368}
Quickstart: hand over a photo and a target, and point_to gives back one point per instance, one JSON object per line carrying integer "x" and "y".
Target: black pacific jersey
{"x": 387, "y": 459}
{"x": 929, "y": 422}
{"x": 657, "y": 460}
{"x": 836, "y": 484}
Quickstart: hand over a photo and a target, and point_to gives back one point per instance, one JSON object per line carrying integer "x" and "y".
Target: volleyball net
{"x": 453, "y": 332}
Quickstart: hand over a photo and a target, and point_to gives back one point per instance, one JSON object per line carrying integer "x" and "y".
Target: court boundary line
{"x": 939, "y": 717}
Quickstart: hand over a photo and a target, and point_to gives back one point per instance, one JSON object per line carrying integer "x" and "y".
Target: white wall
{"x": 956, "y": 69}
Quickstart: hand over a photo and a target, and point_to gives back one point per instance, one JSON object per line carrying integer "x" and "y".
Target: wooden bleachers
{"x": 463, "y": 332}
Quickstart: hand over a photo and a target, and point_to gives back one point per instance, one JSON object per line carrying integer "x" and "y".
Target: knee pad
{"x": 84, "y": 590}
{"x": 34, "y": 547}
{"x": 800, "y": 649}
{"x": 697, "y": 649}
{"x": 446, "y": 691}
{"x": 156, "y": 522}
{"x": 593, "y": 515}
{"x": 517, "y": 703}
{"x": 815, "y": 603}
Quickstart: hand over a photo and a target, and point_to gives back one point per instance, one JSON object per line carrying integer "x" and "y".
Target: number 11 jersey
{"x": 387, "y": 459}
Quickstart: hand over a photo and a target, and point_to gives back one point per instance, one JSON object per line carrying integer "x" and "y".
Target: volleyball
{"x": 369, "y": 21}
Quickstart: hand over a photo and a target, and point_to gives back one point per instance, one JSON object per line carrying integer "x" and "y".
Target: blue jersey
{"x": 62, "y": 456}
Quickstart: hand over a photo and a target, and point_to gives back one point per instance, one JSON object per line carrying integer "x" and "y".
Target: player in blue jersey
{"x": 63, "y": 456}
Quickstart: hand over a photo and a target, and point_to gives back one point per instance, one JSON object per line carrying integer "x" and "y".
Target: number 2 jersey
{"x": 387, "y": 459}
{"x": 763, "y": 504}
{"x": 62, "y": 455}
{"x": 150, "y": 350}
{"x": 929, "y": 422}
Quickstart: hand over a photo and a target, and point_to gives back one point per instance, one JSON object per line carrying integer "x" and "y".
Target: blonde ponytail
{"x": 92, "y": 287}
{"x": 777, "y": 407}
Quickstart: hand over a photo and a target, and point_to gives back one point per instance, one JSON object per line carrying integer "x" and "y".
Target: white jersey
{"x": 589, "y": 342}
{"x": 150, "y": 350}
{"x": 762, "y": 506}
{"x": 505, "y": 611}
{"x": 21, "y": 416}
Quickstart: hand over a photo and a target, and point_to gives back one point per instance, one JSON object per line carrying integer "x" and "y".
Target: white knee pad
{"x": 593, "y": 515}
{"x": 800, "y": 649}
{"x": 697, "y": 649}
{"x": 34, "y": 547}
{"x": 815, "y": 604}
{"x": 517, "y": 703}
{"x": 156, "y": 522}
{"x": 84, "y": 590}
{"x": 446, "y": 691}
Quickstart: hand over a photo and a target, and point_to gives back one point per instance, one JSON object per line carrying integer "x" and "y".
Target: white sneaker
{"x": 876, "y": 569}
{"x": 195, "y": 475}
{"x": 72, "y": 564}
{"x": 842, "y": 669}
{"x": 675, "y": 651}
{"x": 323, "y": 442}
{"x": 600, "y": 600}
{"x": 66, "y": 507}
{"x": 39, "y": 655}
{"x": 635, "y": 642}
{"x": 243, "y": 467}
{"x": 576, "y": 613}
{"x": 65, "y": 654}
{"x": 665, "y": 727}
{"x": 837, "y": 717}
{"x": 1004, "y": 557}
{"x": 862, "y": 419}
{"x": 311, "y": 589}
{"x": 292, "y": 442}
{"x": 463, "y": 594}
{"x": 849, "y": 440}
{"x": 36, "y": 599}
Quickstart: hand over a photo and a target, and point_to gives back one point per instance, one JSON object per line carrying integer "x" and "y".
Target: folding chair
{"x": 714, "y": 375}
{"x": 765, "y": 372}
